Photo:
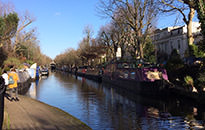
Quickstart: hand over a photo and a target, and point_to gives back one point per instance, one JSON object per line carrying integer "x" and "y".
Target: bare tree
{"x": 27, "y": 45}
{"x": 88, "y": 31}
{"x": 108, "y": 36}
{"x": 138, "y": 14}
{"x": 25, "y": 21}
{"x": 6, "y": 8}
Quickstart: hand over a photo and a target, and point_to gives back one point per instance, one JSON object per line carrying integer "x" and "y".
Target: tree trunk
{"x": 141, "y": 51}
{"x": 115, "y": 50}
{"x": 201, "y": 16}
{"x": 189, "y": 27}
{"x": 140, "y": 45}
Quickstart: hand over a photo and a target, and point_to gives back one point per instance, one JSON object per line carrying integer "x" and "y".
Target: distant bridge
{"x": 53, "y": 65}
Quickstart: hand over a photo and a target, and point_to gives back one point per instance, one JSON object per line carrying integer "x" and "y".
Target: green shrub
{"x": 195, "y": 51}
{"x": 149, "y": 52}
{"x": 6, "y": 68}
{"x": 189, "y": 80}
{"x": 12, "y": 61}
{"x": 201, "y": 79}
{"x": 30, "y": 62}
{"x": 174, "y": 62}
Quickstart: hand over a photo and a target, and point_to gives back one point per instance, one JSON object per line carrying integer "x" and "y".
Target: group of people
{"x": 8, "y": 81}
{"x": 11, "y": 84}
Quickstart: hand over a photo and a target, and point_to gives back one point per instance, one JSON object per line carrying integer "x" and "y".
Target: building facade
{"x": 170, "y": 38}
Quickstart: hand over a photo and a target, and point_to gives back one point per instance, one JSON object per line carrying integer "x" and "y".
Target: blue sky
{"x": 60, "y": 23}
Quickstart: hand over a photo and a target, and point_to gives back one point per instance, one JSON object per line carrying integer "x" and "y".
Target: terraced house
{"x": 170, "y": 38}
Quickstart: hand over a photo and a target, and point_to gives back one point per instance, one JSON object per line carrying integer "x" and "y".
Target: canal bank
{"x": 32, "y": 114}
{"x": 103, "y": 107}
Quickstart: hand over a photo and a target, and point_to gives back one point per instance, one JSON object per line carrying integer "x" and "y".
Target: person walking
{"x": 6, "y": 78}
{"x": 13, "y": 84}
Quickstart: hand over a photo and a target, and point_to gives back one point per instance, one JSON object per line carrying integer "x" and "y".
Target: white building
{"x": 170, "y": 38}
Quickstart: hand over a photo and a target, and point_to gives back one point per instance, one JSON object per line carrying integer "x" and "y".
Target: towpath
{"x": 29, "y": 114}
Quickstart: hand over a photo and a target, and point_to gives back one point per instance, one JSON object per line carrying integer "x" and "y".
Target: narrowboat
{"x": 141, "y": 78}
{"x": 44, "y": 71}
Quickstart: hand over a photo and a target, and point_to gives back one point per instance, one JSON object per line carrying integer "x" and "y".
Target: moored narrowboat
{"x": 141, "y": 78}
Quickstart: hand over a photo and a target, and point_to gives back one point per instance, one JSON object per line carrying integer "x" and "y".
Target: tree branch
{"x": 178, "y": 9}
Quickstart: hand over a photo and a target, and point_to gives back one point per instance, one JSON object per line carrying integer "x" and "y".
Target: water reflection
{"x": 32, "y": 91}
{"x": 103, "y": 107}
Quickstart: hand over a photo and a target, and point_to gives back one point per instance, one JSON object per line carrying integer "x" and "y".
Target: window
{"x": 158, "y": 47}
{"x": 178, "y": 41}
{"x": 157, "y": 37}
{"x": 165, "y": 47}
{"x": 179, "y": 31}
{"x": 171, "y": 45}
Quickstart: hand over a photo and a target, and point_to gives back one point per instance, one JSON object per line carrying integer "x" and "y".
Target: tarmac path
{"x": 30, "y": 114}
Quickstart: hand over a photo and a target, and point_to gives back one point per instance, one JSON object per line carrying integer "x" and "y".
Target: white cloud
{"x": 57, "y": 13}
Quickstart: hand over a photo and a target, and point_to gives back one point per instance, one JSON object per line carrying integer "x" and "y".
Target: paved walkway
{"x": 29, "y": 114}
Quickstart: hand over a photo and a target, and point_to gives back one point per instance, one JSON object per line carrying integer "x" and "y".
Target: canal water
{"x": 104, "y": 107}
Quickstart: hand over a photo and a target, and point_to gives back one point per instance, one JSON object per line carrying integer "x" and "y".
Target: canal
{"x": 103, "y": 107}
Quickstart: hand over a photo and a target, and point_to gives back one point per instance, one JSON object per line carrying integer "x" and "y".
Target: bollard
{"x": 2, "y": 92}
